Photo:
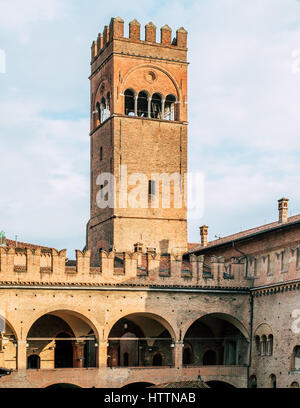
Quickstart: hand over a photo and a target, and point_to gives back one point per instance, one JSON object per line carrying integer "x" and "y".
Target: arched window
{"x": 33, "y": 362}
{"x": 187, "y": 357}
{"x": 296, "y": 357}
{"x": 210, "y": 358}
{"x": 129, "y": 102}
{"x": 102, "y": 110}
{"x": 108, "y": 105}
{"x": 270, "y": 345}
{"x": 273, "y": 381}
{"x": 156, "y": 106}
{"x": 295, "y": 384}
{"x": 169, "y": 113}
{"x": 157, "y": 360}
{"x": 98, "y": 114}
{"x": 263, "y": 345}
{"x": 257, "y": 345}
{"x": 142, "y": 105}
{"x": 253, "y": 381}
{"x": 126, "y": 359}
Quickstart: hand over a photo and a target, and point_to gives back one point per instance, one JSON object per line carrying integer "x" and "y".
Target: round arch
{"x": 153, "y": 67}
{"x": 216, "y": 384}
{"x": 55, "y": 386}
{"x": 9, "y": 324}
{"x": 149, "y": 315}
{"x": 222, "y": 316}
{"x": 59, "y": 312}
{"x": 263, "y": 329}
{"x": 137, "y": 385}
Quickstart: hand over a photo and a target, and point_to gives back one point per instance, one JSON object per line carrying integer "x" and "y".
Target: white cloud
{"x": 17, "y": 14}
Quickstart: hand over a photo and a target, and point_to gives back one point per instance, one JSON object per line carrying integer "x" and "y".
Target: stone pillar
{"x": 78, "y": 354}
{"x": 135, "y": 105}
{"x": 177, "y": 354}
{"x": 22, "y": 355}
{"x": 149, "y": 107}
{"x": 163, "y": 109}
{"x": 101, "y": 353}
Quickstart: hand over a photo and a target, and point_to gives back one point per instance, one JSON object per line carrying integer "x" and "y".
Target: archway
{"x": 219, "y": 385}
{"x": 8, "y": 345}
{"x": 217, "y": 339}
{"x": 63, "y": 356}
{"x": 138, "y": 385}
{"x": 138, "y": 340}
{"x": 210, "y": 358}
{"x": 157, "y": 360}
{"x": 61, "y": 385}
{"x": 187, "y": 357}
{"x": 253, "y": 381}
{"x": 33, "y": 362}
{"x": 62, "y": 339}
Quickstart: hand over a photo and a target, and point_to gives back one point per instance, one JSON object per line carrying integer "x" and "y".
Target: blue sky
{"x": 244, "y": 110}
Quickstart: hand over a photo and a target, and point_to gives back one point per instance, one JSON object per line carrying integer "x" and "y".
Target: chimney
{"x": 283, "y": 210}
{"x": 203, "y": 234}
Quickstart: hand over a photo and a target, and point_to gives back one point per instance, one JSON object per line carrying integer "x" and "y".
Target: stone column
{"x": 163, "y": 109}
{"x": 149, "y": 106}
{"x": 135, "y": 105}
{"x": 101, "y": 354}
{"x": 22, "y": 355}
{"x": 78, "y": 354}
{"x": 177, "y": 354}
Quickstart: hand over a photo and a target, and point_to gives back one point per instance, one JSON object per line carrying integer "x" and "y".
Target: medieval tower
{"x": 138, "y": 127}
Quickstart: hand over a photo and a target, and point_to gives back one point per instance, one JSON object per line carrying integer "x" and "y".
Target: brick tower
{"x": 139, "y": 125}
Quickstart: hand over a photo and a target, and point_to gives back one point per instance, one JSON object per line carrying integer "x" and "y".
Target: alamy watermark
{"x": 2, "y": 62}
{"x": 296, "y": 322}
{"x": 164, "y": 191}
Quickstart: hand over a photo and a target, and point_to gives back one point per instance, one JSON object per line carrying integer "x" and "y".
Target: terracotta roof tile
{"x": 22, "y": 245}
{"x": 242, "y": 234}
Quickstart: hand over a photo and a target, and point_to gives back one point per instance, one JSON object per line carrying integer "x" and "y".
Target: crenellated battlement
{"x": 115, "y": 31}
{"x": 148, "y": 268}
{"x": 39, "y": 265}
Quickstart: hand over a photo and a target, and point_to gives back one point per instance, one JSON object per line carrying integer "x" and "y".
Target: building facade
{"x": 140, "y": 305}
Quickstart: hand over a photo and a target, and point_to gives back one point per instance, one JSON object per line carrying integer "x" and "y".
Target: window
{"x": 264, "y": 345}
{"x": 129, "y": 103}
{"x": 102, "y": 110}
{"x": 33, "y": 362}
{"x": 98, "y": 117}
{"x": 257, "y": 345}
{"x": 253, "y": 381}
{"x": 151, "y": 188}
{"x": 270, "y": 345}
{"x": 273, "y": 381}
{"x": 156, "y": 106}
{"x": 169, "y": 113}
{"x": 101, "y": 153}
{"x": 298, "y": 258}
{"x": 284, "y": 261}
{"x": 108, "y": 105}
{"x": 296, "y": 358}
{"x": 143, "y": 105}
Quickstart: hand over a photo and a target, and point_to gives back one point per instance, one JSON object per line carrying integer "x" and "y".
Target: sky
{"x": 244, "y": 110}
